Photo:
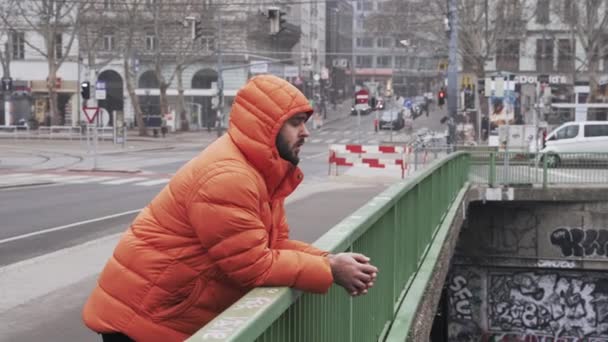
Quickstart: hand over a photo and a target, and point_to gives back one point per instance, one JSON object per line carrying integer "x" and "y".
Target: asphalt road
{"x": 55, "y": 238}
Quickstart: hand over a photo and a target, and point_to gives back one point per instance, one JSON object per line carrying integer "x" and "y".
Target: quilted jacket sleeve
{"x": 283, "y": 241}
{"x": 225, "y": 213}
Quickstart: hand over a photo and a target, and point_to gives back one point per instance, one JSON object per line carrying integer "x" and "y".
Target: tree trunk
{"x": 50, "y": 84}
{"x": 164, "y": 104}
{"x": 184, "y": 123}
{"x": 134, "y": 99}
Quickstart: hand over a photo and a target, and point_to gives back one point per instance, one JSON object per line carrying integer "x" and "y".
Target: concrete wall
{"x": 530, "y": 271}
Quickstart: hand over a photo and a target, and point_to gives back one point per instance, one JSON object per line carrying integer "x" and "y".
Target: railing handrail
{"x": 250, "y": 316}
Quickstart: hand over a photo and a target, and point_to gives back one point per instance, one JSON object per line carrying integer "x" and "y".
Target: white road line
{"x": 67, "y": 179}
{"x": 330, "y": 141}
{"x": 343, "y": 141}
{"x": 91, "y": 180}
{"x": 346, "y": 132}
{"x": 67, "y": 226}
{"x": 17, "y": 175}
{"x": 316, "y": 155}
{"x": 322, "y": 133}
{"x": 124, "y": 180}
{"x": 154, "y": 182}
{"x": 315, "y": 141}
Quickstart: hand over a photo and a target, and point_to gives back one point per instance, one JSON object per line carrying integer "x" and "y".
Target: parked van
{"x": 575, "y": 137}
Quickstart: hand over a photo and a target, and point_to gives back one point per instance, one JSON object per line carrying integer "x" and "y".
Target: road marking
{"x": 316, "y": 155}
{"x": 90, "y": 179}
{"x": 154, "y": 182}
{"x": 67, "y": 226}
{"x": 330, "y": 141}
{"x": 124, "y": 181}
{"x": 315, "y": 141}
{"x": 343, "y": 141}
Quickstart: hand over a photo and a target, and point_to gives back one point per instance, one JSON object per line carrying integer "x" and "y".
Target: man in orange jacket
{"x": 218, "y": 229}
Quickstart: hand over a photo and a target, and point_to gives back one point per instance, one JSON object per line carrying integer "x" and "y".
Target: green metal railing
{"x": 396, "y": 229}
{"x": 498, "y": 168}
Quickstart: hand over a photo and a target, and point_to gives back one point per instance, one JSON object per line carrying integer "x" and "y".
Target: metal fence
{"x": 501, "y": 168}
{"x": 395, "y": 229}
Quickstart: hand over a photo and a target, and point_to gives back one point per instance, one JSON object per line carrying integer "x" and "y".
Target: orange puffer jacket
{"x": 217, "y": 230}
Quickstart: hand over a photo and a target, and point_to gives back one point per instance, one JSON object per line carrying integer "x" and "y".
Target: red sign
{"x": 90, "y": 113}
{"x": 362, "y": 97}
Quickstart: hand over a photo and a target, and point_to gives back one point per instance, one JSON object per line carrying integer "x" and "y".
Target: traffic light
{"x": 198, "y": 29}
{"x": 85, "y": 90}
{"x": 7, "y": 84}
{"x": 277, "y": 22}
{"x": 441, "y": 97}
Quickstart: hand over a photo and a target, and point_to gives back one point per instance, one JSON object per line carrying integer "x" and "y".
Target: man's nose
{"x": 304, "y": 132}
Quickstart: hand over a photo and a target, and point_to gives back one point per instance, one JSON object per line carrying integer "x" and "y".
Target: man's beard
{"x": 285, "y": 151}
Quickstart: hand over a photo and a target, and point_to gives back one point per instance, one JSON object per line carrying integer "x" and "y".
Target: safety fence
{"x": 542, "y": 169}
{"x": 56, "y": 132}
{"x": 403, "y": 158}
{"x": 398, "y": 230}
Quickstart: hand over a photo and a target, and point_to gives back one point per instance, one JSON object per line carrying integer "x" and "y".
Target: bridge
{"x": 411, "y": 232}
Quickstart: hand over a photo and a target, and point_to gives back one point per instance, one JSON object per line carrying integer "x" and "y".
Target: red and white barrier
{"x": 384, "y": 156}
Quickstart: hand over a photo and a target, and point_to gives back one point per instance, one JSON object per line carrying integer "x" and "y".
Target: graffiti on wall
{"x": 547, "y": 304}
{"x": 464, "y": 302}
{"x": 579, "y": 242}
{"x": 528, "y": 306}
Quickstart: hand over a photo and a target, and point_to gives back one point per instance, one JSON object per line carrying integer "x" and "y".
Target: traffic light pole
{"x": 453, "y": 71}
{"x": 220, "y": 78}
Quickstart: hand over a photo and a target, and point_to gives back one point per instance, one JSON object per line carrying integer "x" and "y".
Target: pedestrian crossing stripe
{"x": 21, "y": 178}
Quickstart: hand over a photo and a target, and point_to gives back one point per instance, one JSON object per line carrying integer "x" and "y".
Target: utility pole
{"x": 452, "y": 71}
{"x": 220, "y": 78}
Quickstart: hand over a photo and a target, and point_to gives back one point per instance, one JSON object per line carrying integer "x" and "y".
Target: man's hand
{"x": 353, "y": 272}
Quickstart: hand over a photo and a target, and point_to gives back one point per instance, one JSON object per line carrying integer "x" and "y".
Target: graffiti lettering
{"x": 460, "y": 297}
{"x": 508, "y": 337}
{"x": 546, "y": 304}
{"x": 581, "y": 242}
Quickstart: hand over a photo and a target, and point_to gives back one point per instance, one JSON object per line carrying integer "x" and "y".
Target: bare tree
{"x": 57, "y": 23}
{"x": 587, "y": 21}
{"x": 174, "y": 46}
{"x": 483, "y": 25}
{"x": 6, "y": 13}
{"x": 93, "y": 25}
{"x": 128, "y": 21}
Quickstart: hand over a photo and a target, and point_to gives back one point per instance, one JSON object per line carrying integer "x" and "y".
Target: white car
{"x": 571, "y": 139}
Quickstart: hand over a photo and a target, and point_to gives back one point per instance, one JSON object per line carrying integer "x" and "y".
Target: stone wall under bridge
{"x": 531, "y": 266}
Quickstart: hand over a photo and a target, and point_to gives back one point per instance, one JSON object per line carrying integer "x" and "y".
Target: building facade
{"x": 339, "y": 50}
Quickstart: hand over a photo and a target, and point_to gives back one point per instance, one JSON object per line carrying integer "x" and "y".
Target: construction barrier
{"x": 373, "y": 156}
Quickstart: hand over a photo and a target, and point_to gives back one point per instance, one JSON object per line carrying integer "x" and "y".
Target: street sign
{"x": 100, "y": 90}
{"x": 291, "y": 71}
{"x": 258, "y": 67}
{"x": 90, "y": 113}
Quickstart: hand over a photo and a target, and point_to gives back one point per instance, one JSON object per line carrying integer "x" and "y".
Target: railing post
{"x": 545, "y": 173}
{"x": 492, "y": 171}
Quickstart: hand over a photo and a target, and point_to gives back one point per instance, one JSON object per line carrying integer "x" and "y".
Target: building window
{"x": 570, "y": 11}
{"x": 544, "y": 55}
{"x": 365, "y": 42}
{"x": 150, "y": 42}
{"x": 108, "y": 42}
{"x": 150, "y": 3}
{"x": 58, "y": 45}
{"x": 108, "y": 4}
{"x": 368, "y": 6}
{"x": 18, "y": 45}
{"x": 507, "y": 55}
{"x": 565, "y": 55}
{"x": 384, "y": 42}
{"x": 401, "y": 62}
{"x": 363, "y": 61}
{"x": 384, "y": 61}
{"x": 542, "y": 11}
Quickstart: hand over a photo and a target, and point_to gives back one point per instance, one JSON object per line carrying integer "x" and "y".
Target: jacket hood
{"x": 258, "y": 113}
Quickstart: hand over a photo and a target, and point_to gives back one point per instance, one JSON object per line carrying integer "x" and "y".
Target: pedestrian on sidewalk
{"x": 218, "y": 230}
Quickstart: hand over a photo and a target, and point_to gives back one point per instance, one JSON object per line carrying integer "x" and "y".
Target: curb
{"x": 23, "y": 185}
{"x": 132, "y": 171}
